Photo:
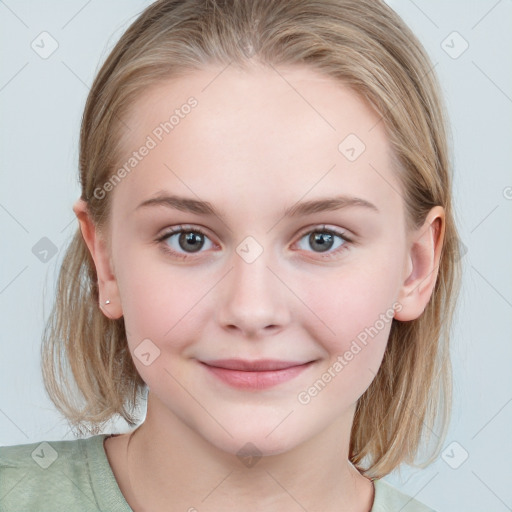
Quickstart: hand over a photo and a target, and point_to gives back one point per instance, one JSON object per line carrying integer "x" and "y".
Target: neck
{"x": 169, "y": 462}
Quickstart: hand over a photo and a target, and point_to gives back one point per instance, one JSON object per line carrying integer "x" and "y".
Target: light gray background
{"x": 41, "y": 103}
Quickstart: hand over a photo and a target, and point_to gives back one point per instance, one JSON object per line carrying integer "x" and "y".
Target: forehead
{"x": 253, "y": 131}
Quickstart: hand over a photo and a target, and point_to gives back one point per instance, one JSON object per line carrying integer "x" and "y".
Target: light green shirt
{"x": 72, "y": 476}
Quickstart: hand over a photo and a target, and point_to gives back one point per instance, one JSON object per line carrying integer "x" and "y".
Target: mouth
{"x": 257, "y": 374}
{"x": 259, "y": 365}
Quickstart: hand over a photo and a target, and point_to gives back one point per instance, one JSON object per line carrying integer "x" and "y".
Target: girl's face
{"x": 293, "y": 247}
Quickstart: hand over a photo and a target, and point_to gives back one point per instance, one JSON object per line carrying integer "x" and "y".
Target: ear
{"x": 423, "y": 258}
{"x": 98, "y": 248}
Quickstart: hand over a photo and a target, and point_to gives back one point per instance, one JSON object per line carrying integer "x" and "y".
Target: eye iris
{"x": 195, "y": 241}
{"x": 321, "y": 241}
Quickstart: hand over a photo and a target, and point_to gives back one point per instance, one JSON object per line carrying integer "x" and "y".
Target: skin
{"x": 258, "y": 142}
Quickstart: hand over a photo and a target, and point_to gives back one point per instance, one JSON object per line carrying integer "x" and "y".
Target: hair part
{"x": 364, "y": 45}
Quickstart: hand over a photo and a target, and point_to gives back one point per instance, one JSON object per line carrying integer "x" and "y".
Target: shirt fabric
{"x": 75, "y": 476}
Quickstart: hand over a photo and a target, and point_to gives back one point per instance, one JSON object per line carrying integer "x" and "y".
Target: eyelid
{"x": 183, "y": 227}
{"x": 304, "y": 231}
{"x": 325, "y": 227}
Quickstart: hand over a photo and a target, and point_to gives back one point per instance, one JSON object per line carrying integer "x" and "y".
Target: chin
{"x": 254, "y": 442}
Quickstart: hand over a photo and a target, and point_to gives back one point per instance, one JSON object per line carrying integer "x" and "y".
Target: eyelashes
{"x": 182, "y": 238}
{"x": 325, "y": 239}
{"x": 196, "y": 241}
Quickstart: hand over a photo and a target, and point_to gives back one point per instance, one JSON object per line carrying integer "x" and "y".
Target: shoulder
{"x": 51, "y": 475}
{"x": 390, "y": 499}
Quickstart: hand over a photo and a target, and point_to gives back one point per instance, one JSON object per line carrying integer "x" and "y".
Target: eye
{"x": 322, "y": 240}
{"x": 182, "y": 240}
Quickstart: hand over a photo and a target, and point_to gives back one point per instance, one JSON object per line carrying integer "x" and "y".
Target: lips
{"x": 254, "y": 375}
{"x": 261, "y": 365}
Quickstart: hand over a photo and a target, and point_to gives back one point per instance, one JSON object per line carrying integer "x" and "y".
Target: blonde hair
{"x": 363, "y": 44}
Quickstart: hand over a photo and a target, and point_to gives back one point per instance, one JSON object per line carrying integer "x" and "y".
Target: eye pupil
{"x": 195, "y": 241}
{"x": 321, "y": 240}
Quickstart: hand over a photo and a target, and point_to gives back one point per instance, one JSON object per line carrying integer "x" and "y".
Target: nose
{"x": 253, "y": 301}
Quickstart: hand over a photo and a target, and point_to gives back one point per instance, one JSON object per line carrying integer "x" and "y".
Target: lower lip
{"x": 256, "y": 380}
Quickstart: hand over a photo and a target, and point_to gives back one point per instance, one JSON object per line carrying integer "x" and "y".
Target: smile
{"x": 254, "y": 375}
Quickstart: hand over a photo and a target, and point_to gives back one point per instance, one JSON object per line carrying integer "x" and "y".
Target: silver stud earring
{"x": 107, "y": 302}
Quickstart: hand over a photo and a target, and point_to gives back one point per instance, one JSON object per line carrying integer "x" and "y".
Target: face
{"x": 245, "y": 265}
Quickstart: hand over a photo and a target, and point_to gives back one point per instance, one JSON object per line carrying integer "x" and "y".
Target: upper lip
{"x": 256, "y": 365}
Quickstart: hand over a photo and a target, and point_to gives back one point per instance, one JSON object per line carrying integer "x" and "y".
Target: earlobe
{"x": 107, "y": 284}
{"x": 422, "y": 266}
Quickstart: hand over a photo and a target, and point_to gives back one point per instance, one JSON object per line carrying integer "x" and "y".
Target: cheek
{"x": 350, "y": 300}
{"x": 352, "y": 314}
{"x": 161, "y": 302}
{"x": 152, "y": 300}
{"x": 354, "y": 317}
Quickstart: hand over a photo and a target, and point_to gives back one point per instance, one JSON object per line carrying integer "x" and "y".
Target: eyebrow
{"x": 190, "y": 205}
